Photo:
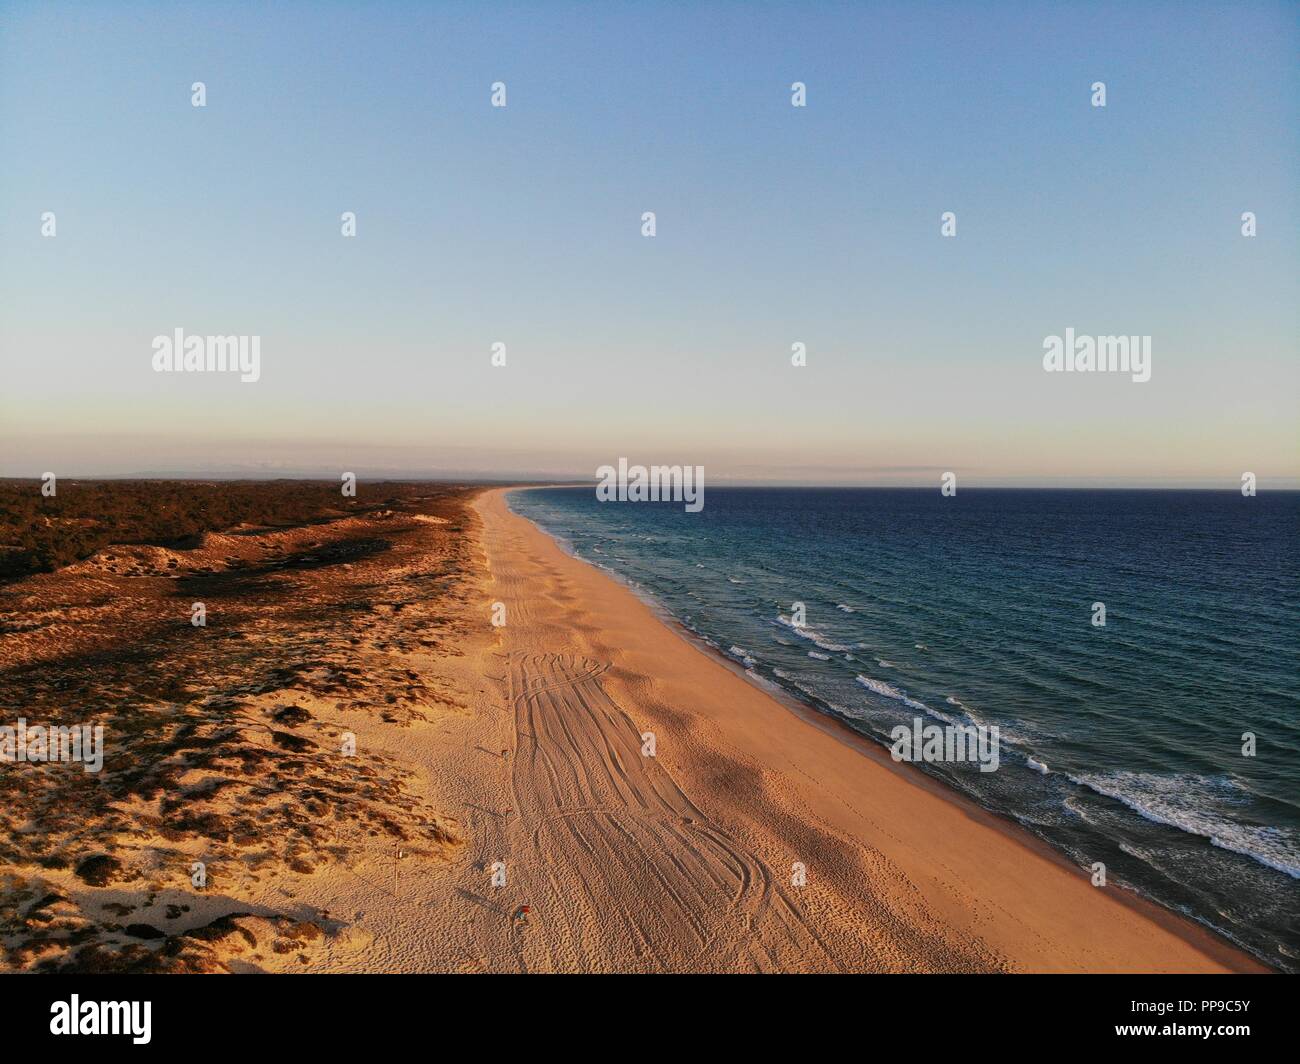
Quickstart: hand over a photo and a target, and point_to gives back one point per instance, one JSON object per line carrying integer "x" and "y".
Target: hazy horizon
{"x": 776, "y": 225}
{"x": 524, "y": 479}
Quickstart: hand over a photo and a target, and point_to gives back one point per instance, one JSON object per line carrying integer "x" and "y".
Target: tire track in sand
{"x": 624, "y": 869}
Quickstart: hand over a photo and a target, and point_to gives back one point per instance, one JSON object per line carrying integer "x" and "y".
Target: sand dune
{"x": 223, "y": 744}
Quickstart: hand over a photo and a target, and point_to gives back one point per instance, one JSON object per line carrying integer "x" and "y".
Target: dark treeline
{"x": 40, "y": 534}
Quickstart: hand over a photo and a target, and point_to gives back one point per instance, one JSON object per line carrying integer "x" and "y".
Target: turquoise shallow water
{"x": 1120, "y": 744}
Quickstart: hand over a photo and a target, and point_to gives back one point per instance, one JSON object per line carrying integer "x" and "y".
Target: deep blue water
{"x": 978, "y": 609}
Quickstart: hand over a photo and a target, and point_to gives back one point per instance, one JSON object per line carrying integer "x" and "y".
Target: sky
{"x": 775, "y": 225}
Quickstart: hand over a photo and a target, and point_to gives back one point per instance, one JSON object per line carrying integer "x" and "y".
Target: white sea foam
{"x": 1010, "y": 737}
{"x": 819, "y": 656}
{"x": 804, "y": 632}
{"x": 1186, "y": 802}
{"x": 970, "y": 717}
{"x": 1075, "y": 807}
{"x": 952, "y": 700}
{"x": 888, "y": 690}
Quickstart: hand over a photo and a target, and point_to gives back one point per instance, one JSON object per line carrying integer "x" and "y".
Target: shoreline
{"x": 1023, "y": 917}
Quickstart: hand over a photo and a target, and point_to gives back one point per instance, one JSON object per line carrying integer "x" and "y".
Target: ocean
{"x": 1120, "y": 744}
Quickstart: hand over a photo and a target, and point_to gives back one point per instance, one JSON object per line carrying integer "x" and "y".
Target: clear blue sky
{"x": 775, "y": 225}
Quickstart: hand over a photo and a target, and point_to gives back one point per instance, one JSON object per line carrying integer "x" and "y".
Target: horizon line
{"x": 497, "y": 480}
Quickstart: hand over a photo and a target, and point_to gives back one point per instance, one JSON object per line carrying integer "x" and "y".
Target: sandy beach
{"x": 374, "y": 777}
{"x": 684, "y": 861}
